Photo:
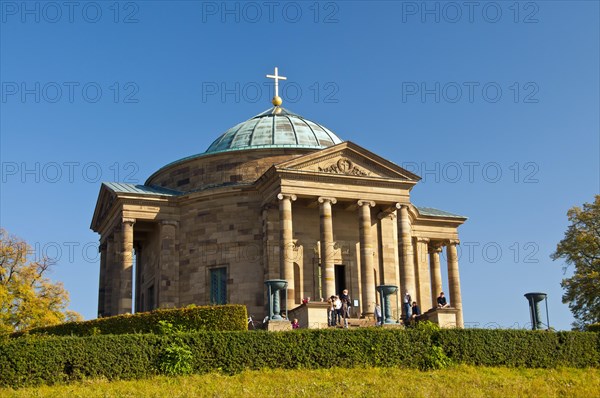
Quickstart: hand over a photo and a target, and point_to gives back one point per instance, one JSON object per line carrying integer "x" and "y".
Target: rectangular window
{"x": 218, "y": 285}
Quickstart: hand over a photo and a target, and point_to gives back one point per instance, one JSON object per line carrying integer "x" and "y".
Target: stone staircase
{"x": 358, "y": 323}
{"x": 314, "y": 316}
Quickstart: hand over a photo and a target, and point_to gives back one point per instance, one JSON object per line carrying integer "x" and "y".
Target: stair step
{"x": 358, "y": 323}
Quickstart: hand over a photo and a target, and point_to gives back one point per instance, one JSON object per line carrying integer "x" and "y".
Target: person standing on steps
{"x": 406, "y": 303}
{"x": 378, "y": 316}
{"x": 331, "y": 313}
{"x": 346, "y": 304}
{"x": 338, "y": 311}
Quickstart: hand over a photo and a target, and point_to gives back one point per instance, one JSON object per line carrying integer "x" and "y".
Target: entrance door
{"x": 340, "y": 278}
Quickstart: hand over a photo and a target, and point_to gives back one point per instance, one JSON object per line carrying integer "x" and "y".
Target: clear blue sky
{"x": 494, "y": 104}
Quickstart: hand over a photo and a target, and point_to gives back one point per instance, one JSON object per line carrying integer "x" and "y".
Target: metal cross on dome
{"x": 276, "y": 77}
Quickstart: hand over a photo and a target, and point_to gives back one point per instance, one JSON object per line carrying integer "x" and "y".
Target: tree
{"x": 581, "y": 247}
{"x": 27, "y": 297}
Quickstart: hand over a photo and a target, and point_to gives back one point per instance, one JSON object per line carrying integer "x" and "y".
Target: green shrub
{"x": 520, "y": 348}
{"x": 49, "y": 360}
{"x": 176, "y": 359}
{"x": 435, "y": 358}
{"x": 219, "y": 317}
{"x": 34, "y": 360}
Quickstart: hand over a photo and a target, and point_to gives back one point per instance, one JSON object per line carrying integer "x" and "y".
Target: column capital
{"x": 102, "y": 246}
{"x": 362, "y": 203}
{"x": 169, "y": 222}
{"x": 282, "y": 196}
{"x": 391, "y": 208}
{"x": 452, "y": 242}
{"x": 389, "y": 211}
{"x": 421, "y": 239}
{"x": 128, "y": 220}
{"x": 324, "y": 199}
{"x": 435, "y": 247}
{"x": 403, "y": 205}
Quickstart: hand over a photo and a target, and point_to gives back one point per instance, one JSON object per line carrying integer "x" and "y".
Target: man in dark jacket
{"x": 346, "y": 304}
{"x": 441, "y": 301}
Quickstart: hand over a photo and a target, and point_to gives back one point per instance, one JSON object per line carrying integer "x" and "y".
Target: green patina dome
{"x": 275, "y": 128}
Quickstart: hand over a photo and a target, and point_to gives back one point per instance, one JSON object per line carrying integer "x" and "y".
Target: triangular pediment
{"x": 348, "y": 159}
{"x": 106, "y": 198}
{"x": 110, "y": 192}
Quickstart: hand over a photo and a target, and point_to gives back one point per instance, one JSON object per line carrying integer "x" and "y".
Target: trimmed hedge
{"x": 31, "y": 360}
{"x": 521, "y": 348}
{"x": 218, "y": 317}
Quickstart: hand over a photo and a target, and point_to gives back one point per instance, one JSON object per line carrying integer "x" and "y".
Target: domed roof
{"x": 275, "y": 128}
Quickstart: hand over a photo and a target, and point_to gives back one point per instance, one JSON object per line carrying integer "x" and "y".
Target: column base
{"x": 368, "y": 315}
{"x": 125, "y": 306}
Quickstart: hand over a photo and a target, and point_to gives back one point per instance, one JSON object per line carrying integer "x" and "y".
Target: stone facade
{"x": 212, "y": 228}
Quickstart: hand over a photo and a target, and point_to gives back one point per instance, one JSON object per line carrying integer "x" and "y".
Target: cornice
{"x": 382, "y": 182}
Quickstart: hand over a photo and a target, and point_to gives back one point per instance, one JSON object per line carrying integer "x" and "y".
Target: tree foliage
{"x": 581, "y": 248}
{"x": 27, "y": 297}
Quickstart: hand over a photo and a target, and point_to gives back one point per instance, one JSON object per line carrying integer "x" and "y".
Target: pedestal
{"x": 311, "y": 315}
{"x": 279, "y": 326}
{"x": 274, "y": 286}
{"x": 446, "y": 318}
{"x": 385, "y": 291}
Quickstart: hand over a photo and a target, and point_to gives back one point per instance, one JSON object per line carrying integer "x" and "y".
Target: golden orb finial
{"x": 277, "y": 101}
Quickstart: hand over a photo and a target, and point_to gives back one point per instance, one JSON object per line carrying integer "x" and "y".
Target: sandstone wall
{"x": 232, "y": 167}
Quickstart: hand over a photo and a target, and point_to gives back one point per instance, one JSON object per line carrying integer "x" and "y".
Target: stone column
{"x": 124, "y": 305}
{"x": 436, "y": 272}
{"x": 286, "y": 250}
{"x": 407, "y": 268}
{"x": 113, "y": 253}
{"x": 104, "y": 277}
{"x": 454, "y": 281}
{"x": 168, "y": 292}
{"x": 327, "y": 250}
{"x": 138, "y": 303}
{"x": 366, "y": 257}
{"x": 423, "y": 276}
{"x": 389, "y": 244}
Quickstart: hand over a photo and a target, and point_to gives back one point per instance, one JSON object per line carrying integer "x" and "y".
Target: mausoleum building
{"x": 278, "y": 196}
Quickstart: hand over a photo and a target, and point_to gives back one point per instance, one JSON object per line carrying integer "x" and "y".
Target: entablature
{"x": 134, "y": 208}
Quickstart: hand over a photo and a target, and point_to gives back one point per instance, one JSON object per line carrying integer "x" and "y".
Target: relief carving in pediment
{"x": 344, "y": 166}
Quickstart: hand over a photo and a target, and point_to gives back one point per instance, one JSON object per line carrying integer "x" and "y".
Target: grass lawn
{"x": 458, "y": 381}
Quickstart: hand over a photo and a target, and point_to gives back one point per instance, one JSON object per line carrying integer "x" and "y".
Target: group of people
{"x": 339, "y": 309}
{"x": 412, "y": 309}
